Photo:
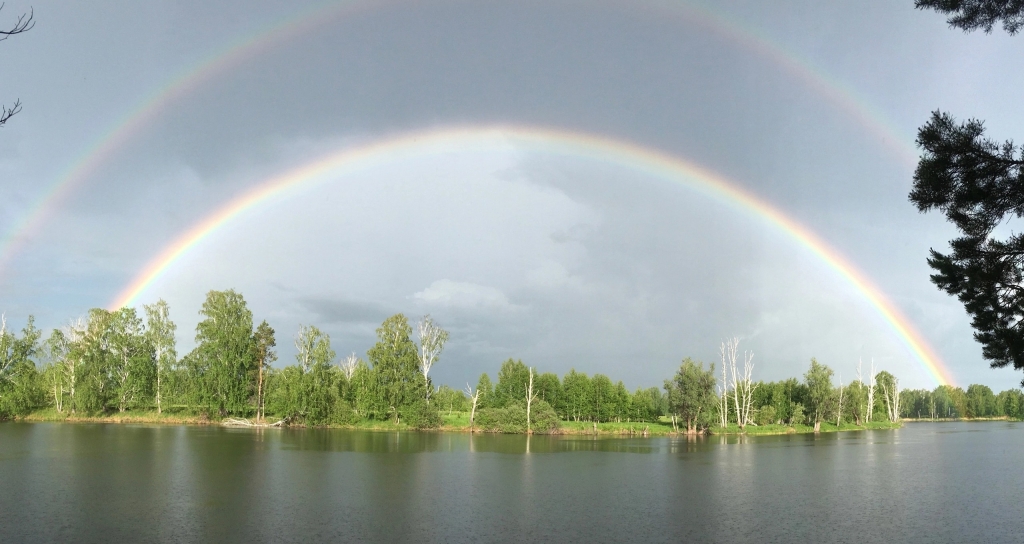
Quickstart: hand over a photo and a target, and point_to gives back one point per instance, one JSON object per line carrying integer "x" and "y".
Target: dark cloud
{"x": 560, "y": 261}
{"x": 343, "y": 312}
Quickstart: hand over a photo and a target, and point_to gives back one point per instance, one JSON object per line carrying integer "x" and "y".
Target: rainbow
{"x": 125, "y": 129}
{"x": 350, "y": 160}
{"x": 843, "y": 96}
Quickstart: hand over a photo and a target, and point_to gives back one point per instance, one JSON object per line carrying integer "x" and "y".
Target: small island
{"x": 116, "y": 367}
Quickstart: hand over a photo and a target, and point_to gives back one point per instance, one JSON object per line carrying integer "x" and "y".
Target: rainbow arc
{"x": 590, "y": 147}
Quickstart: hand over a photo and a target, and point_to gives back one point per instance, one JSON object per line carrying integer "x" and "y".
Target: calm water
{"x": 944, "y": 482}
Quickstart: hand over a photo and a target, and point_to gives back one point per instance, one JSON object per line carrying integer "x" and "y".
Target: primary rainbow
{"x": 574, "y": 144}
{"x": 126, "y": 128}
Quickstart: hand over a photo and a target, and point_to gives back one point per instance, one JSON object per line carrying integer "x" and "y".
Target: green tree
{"x": 513, "y": 378}
{"x": 318, "y": 392}
{"x": 263, "y": 346}
{"x": 450, "y": 399}
{"x": 486, "y": 390}
{"x": 432, "y": 340}
{"x": 819, "y": 392}
{"x": 132, "y": 361}
{"x": 395, "y": 364}
{"x": 577, "y": 395}
{"x": 692, "y": 396}
{"x": 855, "y": 401}
{"x": 603, "y": 398}
{"x": 969, "y": 15}
{"x": 362, "y": 392}
{"x": 978, "y": 184}
{"x": 981, "y": 402}
{"x": 645, "y": 405}
{"x": 548, "y": 387}
{"x": 20, "y": 383}
{"x": 95, "y": 391}
{"x": 622, "y": 402}
{"x": 222, "y": 366}
{"x": 160, "y": 334}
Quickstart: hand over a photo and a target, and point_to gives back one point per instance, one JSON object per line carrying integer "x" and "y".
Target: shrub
{"x": 342, "y": 413}
{"x": 421, "y": 415}
{"x": 796, "y": 411}
{"x": 766, "y": 415}
{"x": 510, "y": 419}
{"x": 543, "y": 418}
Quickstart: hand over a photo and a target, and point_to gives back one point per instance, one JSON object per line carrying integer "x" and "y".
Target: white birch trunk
{"x": 473, "y": 397}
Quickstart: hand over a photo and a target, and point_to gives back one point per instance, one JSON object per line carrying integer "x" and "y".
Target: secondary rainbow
{"x": 351, "y": 160}
{"x": 125, "y": 129}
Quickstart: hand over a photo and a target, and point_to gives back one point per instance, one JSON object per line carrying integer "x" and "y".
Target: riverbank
{"x": 459, "y": 422}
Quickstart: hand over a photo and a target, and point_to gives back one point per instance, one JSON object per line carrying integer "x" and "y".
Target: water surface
{"x": 927, "y": 482}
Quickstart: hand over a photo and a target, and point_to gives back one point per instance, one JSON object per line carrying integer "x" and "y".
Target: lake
{"x": 927, "y": 482}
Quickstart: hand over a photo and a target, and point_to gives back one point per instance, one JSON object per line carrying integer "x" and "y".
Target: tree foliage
{"x": 969, "y": 15}
{"x": 977, "y": 184}
{"x": 221, "y": 368}
{"x": 395, "y": 365}
{"x": 819, "y": 392}
{"x": 692, "y": 396}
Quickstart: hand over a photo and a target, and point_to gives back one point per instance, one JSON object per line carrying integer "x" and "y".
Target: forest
{"x": 120, "y": 362}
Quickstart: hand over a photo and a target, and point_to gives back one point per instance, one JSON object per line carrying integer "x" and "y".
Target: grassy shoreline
{"x": 459, "y": 422}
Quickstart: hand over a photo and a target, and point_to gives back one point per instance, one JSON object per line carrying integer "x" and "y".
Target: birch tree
{"x": 890, "y": 386}
{"x": 265, "y": 355}
{"x": 819, "y": 391}
{"x": 56, "y": 349}
{"x": 742, "y": 383}
{"x": 74, "y": 336}
{"x": 839, "y": 408}
{"x": 394, "y": 358}
{"x": 723, "y": 410}
{"x": 473, "y": 398}
{"x": 160, "y": 333}
{"x": 871, "y": 392}
{"x": 132, "y": 361}
{"x": 432, "y": 340}
{"x": 348, "y": 365}
{"x": 223, "y": 364}
{"x": 530, "y": 397}
{"x": 692, "y": 395}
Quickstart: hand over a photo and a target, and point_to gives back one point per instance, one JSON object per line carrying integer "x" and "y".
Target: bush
{"x": 421, "y": 415}
{"x": 796, "y": 411}
{"x": 511, "y": 419}
{"x": 543, "y": 418}
{"x": 342, "y": 413}
{"x": 766, "y": 415}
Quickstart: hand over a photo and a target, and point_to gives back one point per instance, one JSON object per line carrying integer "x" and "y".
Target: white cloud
{"x": 553, "y": 275}
{"x": 464, "y": 295}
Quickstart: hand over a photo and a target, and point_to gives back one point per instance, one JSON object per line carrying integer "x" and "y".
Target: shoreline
{"x": 456, "y": 423}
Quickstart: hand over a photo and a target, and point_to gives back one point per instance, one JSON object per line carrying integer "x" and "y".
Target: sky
{"x": 142, "y": 119}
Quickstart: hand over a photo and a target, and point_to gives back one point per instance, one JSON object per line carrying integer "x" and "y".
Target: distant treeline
{"x": 122, "y": 362}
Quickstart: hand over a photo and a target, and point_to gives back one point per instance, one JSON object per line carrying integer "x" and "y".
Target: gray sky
{"x": 560, "y": 261}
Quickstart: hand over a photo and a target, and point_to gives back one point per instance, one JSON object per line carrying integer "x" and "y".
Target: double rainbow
{"x": 224, "y": 60}
{"x": 573, "y": 144}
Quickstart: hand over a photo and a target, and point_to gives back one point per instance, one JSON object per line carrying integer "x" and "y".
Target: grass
{"x": 168, "y": 417}
{"x": 456, "y": 422}
{"x": 826, "y": 427}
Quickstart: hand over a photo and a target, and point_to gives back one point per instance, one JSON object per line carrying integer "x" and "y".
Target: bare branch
{"x": 24, "y": 24}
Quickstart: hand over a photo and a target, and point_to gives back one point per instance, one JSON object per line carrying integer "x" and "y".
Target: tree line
{"x": 121, "y": 361}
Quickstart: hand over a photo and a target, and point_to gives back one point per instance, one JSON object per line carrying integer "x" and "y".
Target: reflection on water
{"x": 947, "y": 482}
